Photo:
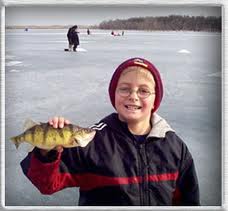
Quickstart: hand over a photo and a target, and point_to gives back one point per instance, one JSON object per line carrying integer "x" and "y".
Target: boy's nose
{"x": 133, "y": 94}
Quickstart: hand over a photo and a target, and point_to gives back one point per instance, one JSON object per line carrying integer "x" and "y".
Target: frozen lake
{"x": 41, "y": 81}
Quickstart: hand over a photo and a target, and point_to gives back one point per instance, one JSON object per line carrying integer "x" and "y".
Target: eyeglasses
{"x": 142, "y": 93}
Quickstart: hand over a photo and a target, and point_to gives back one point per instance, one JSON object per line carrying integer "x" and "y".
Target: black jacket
{"x": 72, "y": 36}
{"x": 114, "y": 169}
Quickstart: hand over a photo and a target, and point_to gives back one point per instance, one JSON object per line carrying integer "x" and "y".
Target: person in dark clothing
{"x": 73, "y": 38}
{"x": 70, "y": 43}
{"x": 135, "y": 158}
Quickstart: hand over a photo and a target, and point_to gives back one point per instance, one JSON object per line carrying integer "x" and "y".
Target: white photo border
{"x": 220, "y": 3}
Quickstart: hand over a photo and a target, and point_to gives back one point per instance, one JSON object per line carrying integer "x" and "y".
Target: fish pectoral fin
{"x": 29, "y": 124}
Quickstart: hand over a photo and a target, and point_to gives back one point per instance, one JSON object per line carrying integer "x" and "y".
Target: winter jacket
{"x": 72, "y": 36}
{"x": 115, "y": 169}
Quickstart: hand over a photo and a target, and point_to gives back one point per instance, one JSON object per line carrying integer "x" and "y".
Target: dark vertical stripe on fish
{"x": 33, "y": 133}
{"x": 71, "y": 127}
{"x": 60, "y": 132}
{"x": 26, "y": 133}
{"x": 46, "y": 127}
{"x": 39, "y": 130}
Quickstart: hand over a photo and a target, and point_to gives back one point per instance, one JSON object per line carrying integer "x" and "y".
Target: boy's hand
{"x": 56, "y": 122}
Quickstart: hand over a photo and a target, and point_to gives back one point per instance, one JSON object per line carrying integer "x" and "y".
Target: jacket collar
{"x": 159, "y": 125}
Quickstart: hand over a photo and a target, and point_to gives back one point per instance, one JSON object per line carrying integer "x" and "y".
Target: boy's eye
{"x": 143, "y": 91}
{"x": 124, "y": 89}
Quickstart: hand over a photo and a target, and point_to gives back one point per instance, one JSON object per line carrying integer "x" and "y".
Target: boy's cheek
{"x": 150, "y": 103}
{"x": 118, "y": 101}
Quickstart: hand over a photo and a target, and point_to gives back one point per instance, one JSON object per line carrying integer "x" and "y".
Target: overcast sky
{"x": 94, "y": 14}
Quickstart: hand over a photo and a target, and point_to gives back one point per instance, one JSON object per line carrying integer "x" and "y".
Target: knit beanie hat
{"x": 141, "y": 63}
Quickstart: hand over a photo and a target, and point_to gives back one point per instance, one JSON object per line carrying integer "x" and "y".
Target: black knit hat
{"x": 141, "y": 63}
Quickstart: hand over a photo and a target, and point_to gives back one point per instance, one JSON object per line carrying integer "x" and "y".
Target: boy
{"x": 135, "y": 157}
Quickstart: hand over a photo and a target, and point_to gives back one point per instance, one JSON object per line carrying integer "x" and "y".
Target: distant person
{"x": 135, "y": 158}
{"x": 88, "y": 32}
{"x": 26, "y": 29}
{"x": 69, "y": 37}
{"x": 116, "y": 33}
{"x": 122, "y": 33}
{"x": 73, "y": 38}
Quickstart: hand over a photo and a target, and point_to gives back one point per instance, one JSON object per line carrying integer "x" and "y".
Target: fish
{"x": 45, "y": 136}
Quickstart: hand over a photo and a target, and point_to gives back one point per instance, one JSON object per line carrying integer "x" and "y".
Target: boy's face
{"x": 137, "y": 106}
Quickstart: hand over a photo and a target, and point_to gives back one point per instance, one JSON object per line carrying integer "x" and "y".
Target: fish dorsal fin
{"x": 29, "y": 124}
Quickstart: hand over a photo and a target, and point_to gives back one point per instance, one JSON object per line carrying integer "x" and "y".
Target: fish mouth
{"x": 132, "y": 107}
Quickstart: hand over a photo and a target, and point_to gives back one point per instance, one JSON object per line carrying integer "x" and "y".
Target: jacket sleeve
{"x": 187, "y": 191}
{"x": 52, "y": 173}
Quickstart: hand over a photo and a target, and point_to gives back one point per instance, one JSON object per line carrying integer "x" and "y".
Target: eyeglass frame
{"x": 130, "y": 91}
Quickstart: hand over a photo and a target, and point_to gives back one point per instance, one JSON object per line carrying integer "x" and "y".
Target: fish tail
{"x": 16, "y": 141}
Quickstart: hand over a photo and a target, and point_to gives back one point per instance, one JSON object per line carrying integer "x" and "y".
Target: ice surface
{"x": 184, "y": 51}
{"x": 43, "y": 80}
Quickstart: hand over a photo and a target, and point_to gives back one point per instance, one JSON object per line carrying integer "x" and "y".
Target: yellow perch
{"x": 44, "y": 136}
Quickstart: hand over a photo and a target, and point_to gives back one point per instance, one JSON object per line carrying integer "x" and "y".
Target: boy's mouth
{"x": 132, "y": 107}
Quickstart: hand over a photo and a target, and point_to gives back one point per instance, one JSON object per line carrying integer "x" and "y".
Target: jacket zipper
{"x": 140, "y": 174}
{"x": 144, "y": 174}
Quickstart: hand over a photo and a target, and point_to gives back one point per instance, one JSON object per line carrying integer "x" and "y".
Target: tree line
{"x": 172, "y": 22}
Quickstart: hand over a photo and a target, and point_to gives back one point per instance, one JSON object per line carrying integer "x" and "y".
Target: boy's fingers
{"x": 61, "y": 122}
{"x": 58, "y": 122}
{"x": 50, "y": 121}
{"x": 66, "y": 121}
{"x": 55, "y": 122}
